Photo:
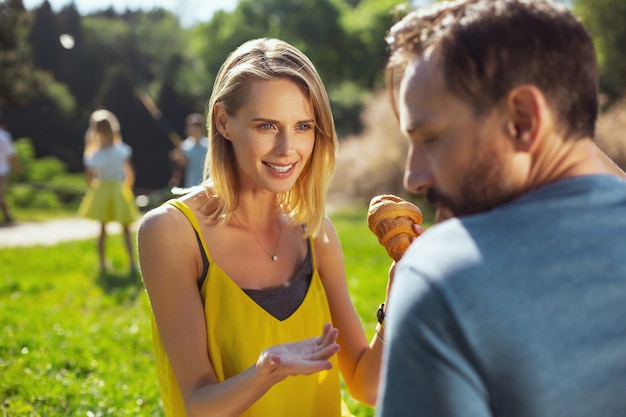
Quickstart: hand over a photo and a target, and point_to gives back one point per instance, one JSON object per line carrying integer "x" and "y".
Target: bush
{"x": 46, "y": 169}
{"x": 610, "y": 132}
{"x": 20, "y": 195}
{"x": 373, "y": 162}
{"x": 25, "y": 196}
{"x": 347, "y": 101}
{"x": 46, "y": 200}
{"x": 43, "y": 183}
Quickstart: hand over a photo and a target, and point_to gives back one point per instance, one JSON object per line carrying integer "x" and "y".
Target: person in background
{"x": 513, "y": 306}
{"x": 246, "y": 274}
{"x": 110, "y": 178}
{"x": 8, "y": 161}
{"x": 192, "y": 152}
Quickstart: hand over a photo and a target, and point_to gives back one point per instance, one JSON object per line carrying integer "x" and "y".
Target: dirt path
{"x": 51, "y": 232}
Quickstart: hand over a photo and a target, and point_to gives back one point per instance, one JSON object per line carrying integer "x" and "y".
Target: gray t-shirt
{"x": 195, "y": 152}
{"x": 520, "y": 311}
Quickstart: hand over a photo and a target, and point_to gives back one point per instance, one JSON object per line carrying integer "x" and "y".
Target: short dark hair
{"x": 488, "y": 47}
{"x": 195, "y": 119}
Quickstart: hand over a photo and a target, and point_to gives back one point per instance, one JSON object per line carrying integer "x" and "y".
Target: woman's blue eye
{"x": 304, "y": 126}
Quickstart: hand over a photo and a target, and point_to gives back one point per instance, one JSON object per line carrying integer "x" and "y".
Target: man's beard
{"x": 483, "y": 187}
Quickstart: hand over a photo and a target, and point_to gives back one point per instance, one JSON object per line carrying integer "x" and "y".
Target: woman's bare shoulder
{"x": 160, "y": 218}
{"x": 168, "y": 216}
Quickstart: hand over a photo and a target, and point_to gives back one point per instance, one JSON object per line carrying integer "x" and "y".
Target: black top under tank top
{"x": 281, "y": 302}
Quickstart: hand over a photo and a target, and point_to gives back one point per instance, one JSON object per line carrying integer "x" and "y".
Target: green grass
{"x": 75, "y": 343}
{"x": 78, "y": 343}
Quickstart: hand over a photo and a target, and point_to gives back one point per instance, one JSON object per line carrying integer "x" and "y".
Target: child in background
{"x": 110, "y": 177}
{"x": 8, "y": 160}
{"x": 193, "y": 150}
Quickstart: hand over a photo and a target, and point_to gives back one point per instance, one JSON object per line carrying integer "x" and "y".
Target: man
{"x": 8, "y": 160}
{"x": 193, "y": 150}
{"x": 516, "y": 305}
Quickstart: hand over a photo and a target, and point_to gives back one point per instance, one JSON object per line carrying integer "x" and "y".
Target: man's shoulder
{"x": 450, "y": 239}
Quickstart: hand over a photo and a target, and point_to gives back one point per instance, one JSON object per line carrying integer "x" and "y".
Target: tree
{"x": 366, "y": 26}
{"x": 18, "y": 78}
{"x": 606, "y": 21}
{"x": 115, "y": 56}
{"x": 73, "y": 65}
{"x": 44, "y": 38}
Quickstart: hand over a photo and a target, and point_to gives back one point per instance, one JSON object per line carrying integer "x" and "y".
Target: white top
{"x": 6, "y": 151}
{"x": 108, "y": 163}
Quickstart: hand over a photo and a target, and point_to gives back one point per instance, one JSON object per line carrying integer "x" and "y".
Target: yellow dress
{"x": 109, "y": 201}
{"x": 239, "y": 329}
{"x": 111, "y": 198}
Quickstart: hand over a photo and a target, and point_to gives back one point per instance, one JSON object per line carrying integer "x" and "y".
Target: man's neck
{"x": 572, "y": 158}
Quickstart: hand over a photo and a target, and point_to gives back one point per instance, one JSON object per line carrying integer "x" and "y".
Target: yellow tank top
{"x": 239, "y": 329}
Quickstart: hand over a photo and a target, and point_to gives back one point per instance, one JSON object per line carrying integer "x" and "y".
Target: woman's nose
{"x": 285, "y": 141}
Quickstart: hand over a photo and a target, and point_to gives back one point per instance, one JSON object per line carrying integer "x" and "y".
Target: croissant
{"x": 391, "y": 218}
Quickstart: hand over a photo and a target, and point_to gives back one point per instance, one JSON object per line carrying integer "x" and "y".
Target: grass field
{"x": 78, "y": 343}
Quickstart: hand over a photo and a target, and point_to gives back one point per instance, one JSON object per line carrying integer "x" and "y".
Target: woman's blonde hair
{"x": 104, "y": 130}
{"x": 262, "y": 60}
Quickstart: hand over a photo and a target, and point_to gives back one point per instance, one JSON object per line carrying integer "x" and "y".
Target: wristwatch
{"x": 380, "y": 315}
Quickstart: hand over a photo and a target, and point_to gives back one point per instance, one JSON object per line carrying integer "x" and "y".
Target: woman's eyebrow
{"x": 264, "y": 119}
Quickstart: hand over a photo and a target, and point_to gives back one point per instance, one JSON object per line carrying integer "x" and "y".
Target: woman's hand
{"x": 300, "y": 358}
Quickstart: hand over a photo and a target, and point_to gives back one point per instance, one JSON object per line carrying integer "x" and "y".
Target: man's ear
{"x": 221, "y": 119}
{"x": 529, "y": 113}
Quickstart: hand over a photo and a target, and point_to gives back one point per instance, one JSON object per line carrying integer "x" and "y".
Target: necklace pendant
{"x": 274, "y": 258}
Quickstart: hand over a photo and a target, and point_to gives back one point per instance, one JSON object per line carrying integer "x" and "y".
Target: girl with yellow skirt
{"x": 109, "y": 175}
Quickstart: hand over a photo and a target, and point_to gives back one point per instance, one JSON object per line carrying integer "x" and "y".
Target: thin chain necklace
{"x": 273, "y": 257}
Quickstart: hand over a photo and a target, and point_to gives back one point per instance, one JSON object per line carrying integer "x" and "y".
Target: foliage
{"x": 48, "y": 90}
{"x": 610, "y": 132}
{"x": 347, "y": 100}
{"x": 32, "y": 169}
{"x": 74, "y": 342}
{"x": 60, "y": 94}
{"x": 18, "y": 78}
{"x": 605, "y": 20}
{"x": 366, "y": 26}
{"x": 79, "y": 343}
{"x": 43, "y": 183}
{"x": 114, "y": 57}
{"x": 346, "y": 43}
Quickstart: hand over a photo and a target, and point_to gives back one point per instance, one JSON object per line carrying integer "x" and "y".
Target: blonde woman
{"x": 110, "y": 176}
{"x": 246, "y": 274}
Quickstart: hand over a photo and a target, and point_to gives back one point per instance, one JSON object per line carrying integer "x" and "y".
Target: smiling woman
{"x": 276, "y": 130}
{"x": 245, "y": 274}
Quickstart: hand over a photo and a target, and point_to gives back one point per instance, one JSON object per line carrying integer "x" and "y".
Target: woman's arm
{"x": 359, "y": 360}
{"x": 90, "y": 176}
{"x": 170, "y": 265}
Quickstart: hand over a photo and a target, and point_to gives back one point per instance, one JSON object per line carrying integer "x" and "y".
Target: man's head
{"x": 474, "y": 82}
{"x": 193, "y": 125}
